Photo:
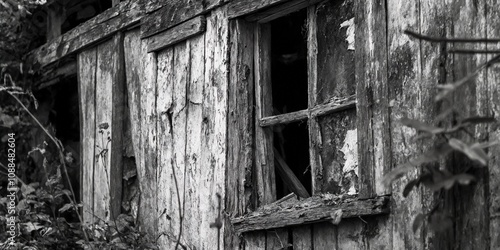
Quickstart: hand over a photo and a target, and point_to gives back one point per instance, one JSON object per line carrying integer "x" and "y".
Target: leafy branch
{"x": 446, "y": 140}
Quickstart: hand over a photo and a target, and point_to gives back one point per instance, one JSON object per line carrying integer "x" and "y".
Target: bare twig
{"x": 472, "y": 51}
{"x": 451, "y": 40}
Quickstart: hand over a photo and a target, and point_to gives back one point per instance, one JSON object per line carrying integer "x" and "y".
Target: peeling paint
{"x": 349, "y": 32}
{"x": 350, "y": 150}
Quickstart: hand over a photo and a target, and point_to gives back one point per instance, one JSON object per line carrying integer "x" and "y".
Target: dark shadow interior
{"x": 290, "y": 93}
{"x": 66, "y": 120}
{"x": 78, "y": 12}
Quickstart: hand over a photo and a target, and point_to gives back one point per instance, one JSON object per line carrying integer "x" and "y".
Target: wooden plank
{"x": 404, "y": 78}
{"x": 167, "y": 196}
{"x": 237, "y": 8}
{"x": 109, "y": 110}
{"x": 471, "y": 99}
{"x": 351, "y": 235}
{"x": 53, "y": 75}
{"x": 371, "y": 98}
{"x": 493, "y": 77}
{"x": 373, "y": 119}
{"x": 318, "y": 110}
{"x": 132, "y": 51}
{"x": 291, "y": 181}
{"x": 193, "y": 138}
{"x": 277, "y": 239}
{"x": 87, "y": 66}
{"x": 339, "y": 157}
{"x": 310, "y": 210}
{"x": 132, "y": 47}
{"x": 102, "y": 26}
{"x": 147, "y": 167}
{"x": 240, "y": 127}
{"x": 286, "y": 8}
{"x": 302, "y": 237}
{"x": 179, "y": 143}
{"x": 315, "y": 141}
{"x": 214, "y": 131}
{"x": 325, "y": 236}
{"x": 255, "y": 240}
{"x": 177, "y": 34}
{"x": 174, "y": 13}
{"x": 336, "y": 79}
{"x": 432, "y": 75}
{"x": 264, "y": 170}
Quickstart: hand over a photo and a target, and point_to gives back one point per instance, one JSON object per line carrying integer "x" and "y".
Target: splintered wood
{"x": 327, "y": 207}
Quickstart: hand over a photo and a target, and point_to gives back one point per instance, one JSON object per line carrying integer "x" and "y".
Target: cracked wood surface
{"x": 311, "y": 210}
{"x": 104, "y": 25}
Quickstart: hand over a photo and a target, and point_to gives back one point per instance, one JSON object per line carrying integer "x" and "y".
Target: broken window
{"x": 305, "y": 103}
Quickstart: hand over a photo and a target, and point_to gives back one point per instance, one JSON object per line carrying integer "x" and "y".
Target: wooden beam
{"x": 239, "y": 8}
{"x": 324, "y": 207}
{"x": 173, "y": 13}
{"x": 264, "y": 159}
{"x": 280, "y": 10}
{"x": 319, "y": 110}
{"x": 95, "y": 30}
{"x": 284, "y": 118}
{"x": 176, "y": 34}
{"x": 55, "y": 74}
{"x": 240, "y": 133}
{"x": 289, "y": 177}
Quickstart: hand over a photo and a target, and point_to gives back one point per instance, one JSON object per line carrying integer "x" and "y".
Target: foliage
{"x": 455, "y": 138}
{"x": 21, "y": 26}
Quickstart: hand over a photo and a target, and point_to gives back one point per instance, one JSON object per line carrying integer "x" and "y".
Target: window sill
{"x": 323, "y": 207}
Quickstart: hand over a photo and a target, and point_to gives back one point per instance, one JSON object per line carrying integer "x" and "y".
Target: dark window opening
{"x": 289, "y": 63}
{"x": 291, "y": 142}
{"x": 290, "y": 94}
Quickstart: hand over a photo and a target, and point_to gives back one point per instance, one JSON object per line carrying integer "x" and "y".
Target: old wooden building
{"x": 224, "y": 108}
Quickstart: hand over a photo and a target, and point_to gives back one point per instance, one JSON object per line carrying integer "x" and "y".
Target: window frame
{"x": 264, "y": 108}
{"x": 257, "y": 195}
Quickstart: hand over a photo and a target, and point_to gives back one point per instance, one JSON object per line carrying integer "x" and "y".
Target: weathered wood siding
{"x": 192, "y": 107}
{"x": 101, "y": 82}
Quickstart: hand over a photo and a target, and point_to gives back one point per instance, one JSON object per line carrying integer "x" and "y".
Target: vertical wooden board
{"x": 240, "y": 127}
{"x": 87, "y": 63}
{"x": 255, "y": 240}
{"x": 377, "y": 231}
{"x": 351, "y": 234}
{"x": 302, "y": 237}
{"x": 147, "y": 168}
{"x": 471, "y": 100}
{"x": 404, "y": 72}
{"x": 193, "y": 138}
{"x": 493, "y": 78}
{"x": 312, "y": 81}
{"x": 109, "y": 110}
{"x": 132, "y": 47}
{"x": 277, "y": 239}
{"x": 325, "y": 236}
{"x": 433, "y": 22}
{"x": 264, "y": 170}
{"x": 373, "y": 121}
{"x": 315, "y": 139}
{"x": 335, "y": 62}
{"x": 339, "y": 154}
{"x": 166, "y": 184}
{"x": 264, "y": 173}
{"x": 179, "y": 115}
{"x": 214, "y": 128}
